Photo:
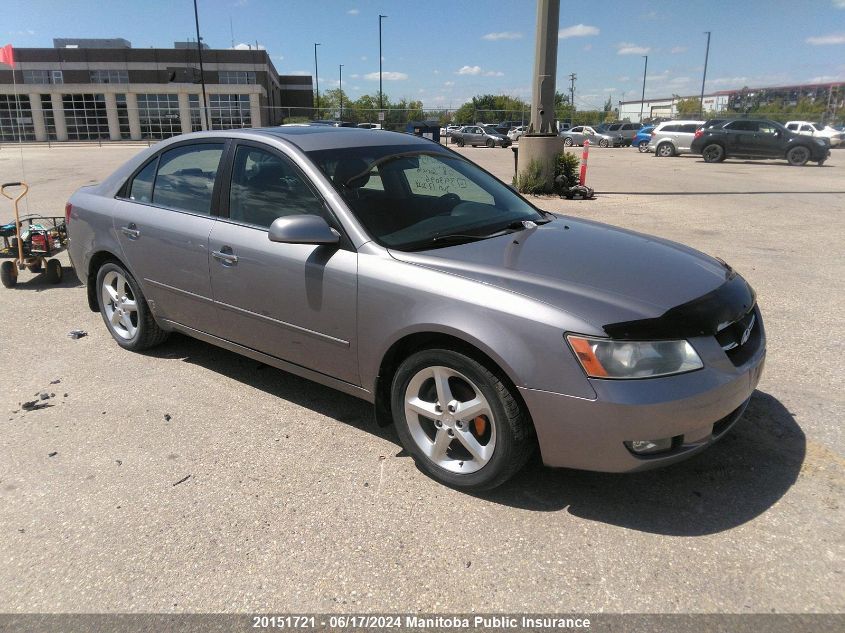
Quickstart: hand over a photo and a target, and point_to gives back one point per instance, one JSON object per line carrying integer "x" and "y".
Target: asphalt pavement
{"x": 191, "y": 479}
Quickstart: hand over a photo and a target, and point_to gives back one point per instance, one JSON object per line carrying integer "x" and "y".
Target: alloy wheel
{"x": 120, "y": 305}
{"x": 450, "y": 420}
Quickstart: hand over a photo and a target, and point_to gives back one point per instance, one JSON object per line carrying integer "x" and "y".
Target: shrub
{"x": 531, "y": 179}
{"x": 567, "y": 165}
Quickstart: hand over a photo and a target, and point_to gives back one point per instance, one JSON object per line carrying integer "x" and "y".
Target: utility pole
{"x": 317, "y": 78}
{"x": 380, "y": 18}
{"x": 340, "y": 85}
{"x": 642, "y": 100}
{"x": 572, "y": 78}
{"x": 542, "y": 142}
{"x": 704, "y": 77}
{"x": 204, "y": 108}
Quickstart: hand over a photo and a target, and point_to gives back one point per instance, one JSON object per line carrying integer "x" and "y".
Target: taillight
{"x": 68, "y": 209}
{"x": 698, "y": 132}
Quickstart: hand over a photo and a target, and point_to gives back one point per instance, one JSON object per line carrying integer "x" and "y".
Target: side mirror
{"x": 302, "y": 229}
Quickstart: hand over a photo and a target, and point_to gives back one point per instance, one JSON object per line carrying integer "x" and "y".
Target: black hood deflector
{"x": 700, "y": 317}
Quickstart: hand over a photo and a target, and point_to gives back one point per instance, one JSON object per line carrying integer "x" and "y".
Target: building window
{"x": 159, "y": 115}
{"x": 49, "y": 117}
{"x": 56, "y": 77}
{"x": 229, "y": 112}
{"x": 123, "y": 116}
{"x": 109, "y": 77}
{"x": 85, "y": 117}
{"x": 196, "y": 115}
{"x": 36, "y": 76}
{"x": 236, "y": 77}
{"x": 16, "y": 119}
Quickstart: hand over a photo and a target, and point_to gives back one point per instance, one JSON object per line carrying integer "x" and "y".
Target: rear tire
{"x": 603, "y": 143}
{"x": 798, "y": 155}
{"x": 567, "y": 141}
{"x": 491, "y": 143}
{"x": 665, "y": 150}
{"x": 125, "y": 311}
{"x": 642, "y": 146}
{"x": 54, "y": 271}
{"x": 713, "y": 153}
{"x": 478, "y": 452}
{"x": 8, "y": 274}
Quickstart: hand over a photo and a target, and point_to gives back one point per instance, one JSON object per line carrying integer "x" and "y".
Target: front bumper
{"x": 695, "y": 409}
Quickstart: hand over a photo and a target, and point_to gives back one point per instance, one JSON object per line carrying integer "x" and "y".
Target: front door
{"x": 297, "y": 302}
{"x": 163, "y": 221}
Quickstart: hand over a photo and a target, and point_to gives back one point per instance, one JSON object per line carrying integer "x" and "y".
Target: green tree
{"x": 688, "y": 107}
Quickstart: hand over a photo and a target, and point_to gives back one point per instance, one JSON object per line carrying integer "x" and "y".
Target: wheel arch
{"x": 417, "y": 341}
{"x": 94, "y": 264}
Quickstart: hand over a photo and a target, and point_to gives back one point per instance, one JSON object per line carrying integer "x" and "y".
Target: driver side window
{"x": 434, "y": 178}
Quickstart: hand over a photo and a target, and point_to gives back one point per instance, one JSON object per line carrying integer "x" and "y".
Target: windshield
{"x": 411, "y": 198}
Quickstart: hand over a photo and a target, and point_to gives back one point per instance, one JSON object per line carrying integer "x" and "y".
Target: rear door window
{"x": 185, "y": 177}
{"x": 742, "y": 126}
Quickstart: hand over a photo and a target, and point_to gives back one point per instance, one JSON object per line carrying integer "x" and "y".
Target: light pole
{"x": 340, "y": 87}
{"x": 704, "y": 77}
{"x": 642, "y": 100}
{"x": 203, "y": 109}
{"x": 317, "y": 77}
{"x": 380, "y": 18}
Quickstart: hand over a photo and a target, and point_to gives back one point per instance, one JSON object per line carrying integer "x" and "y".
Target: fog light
{"x": 649, "y": 447}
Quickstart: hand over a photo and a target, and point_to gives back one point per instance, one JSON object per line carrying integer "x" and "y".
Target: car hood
{"x": 601, "y": 274}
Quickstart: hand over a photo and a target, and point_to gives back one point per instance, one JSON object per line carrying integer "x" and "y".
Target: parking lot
{"x": 193, "y": 479}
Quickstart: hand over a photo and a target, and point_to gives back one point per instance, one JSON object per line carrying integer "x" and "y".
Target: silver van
{"x": 671, "y": 138}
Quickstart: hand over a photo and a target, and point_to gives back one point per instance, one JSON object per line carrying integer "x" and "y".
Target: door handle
{"x": 131, "y": 231}
{"x": 225, "y": 256}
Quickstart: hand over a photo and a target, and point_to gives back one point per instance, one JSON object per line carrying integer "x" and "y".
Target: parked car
{"x": 393, "y": 269}
{"x": 809, "y": 128}
{"x": 627, "y": 130}
{"x": 713, "y": 123}
{"x": 758, "y": 138}
{"x": 450, "y": 129}
{"x": 671, "y": 138}
{"x": 370, "y": 126}
{"x": 580, "y": 133}
{"x": 333, "y": 123}
{"x": 642, "y": 139}
{"x": 476, "y": 135}
{"x": 516, "y": 132}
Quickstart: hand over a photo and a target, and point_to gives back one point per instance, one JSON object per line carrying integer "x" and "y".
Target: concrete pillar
{"x": 134, "y": 118}
{"x": 38, "y": 117}
{"x": 541, "y": 150}
{"x": 185, "y": 112}
{"x": 111, "y": 114}
{"x": 255, "y": 109}
{"x": 59, "y": 116}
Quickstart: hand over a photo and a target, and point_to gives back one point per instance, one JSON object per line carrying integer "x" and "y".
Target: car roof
{"x": 320, "y": 137}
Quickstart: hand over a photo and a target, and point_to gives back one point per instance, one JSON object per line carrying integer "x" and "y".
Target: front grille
{"x": 741, "y": 338}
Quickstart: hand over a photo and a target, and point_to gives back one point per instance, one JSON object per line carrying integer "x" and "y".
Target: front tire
{"x": 459, "y": 421}
{"x": 713, "y": 153}
{"x": 798, "y": 155}
{"x": 603, "y": 142}
{"x": 567, "y": 141}
{"x": 491, "y": 143}
{"x": 125, "y": 311}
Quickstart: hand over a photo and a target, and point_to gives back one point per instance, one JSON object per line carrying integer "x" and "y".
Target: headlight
{"x": 606, "y": 358}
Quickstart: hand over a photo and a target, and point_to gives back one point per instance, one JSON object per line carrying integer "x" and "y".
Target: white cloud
{"x": 363, "y": 58}
{"x": 723, "y": 81}
{"x": 678, "y": 49}
{"x": 436, "y": 72}
{"x": 387, "y": 76}
{"x": 469, "y": 70}
{"x": 626, "y": 48}
{"x": 494, "y": 73}
{"x": 578, "y": 30}
{"x": 504, "y": 35}
{"x": 449, "y": 83}
{"x": 825, "y": 40}
{"x": 354, "y": 76}
{"x": 278, "y": 57}
{"x": 353, "y": 12}
{"x": 246, "y": 47}
{"x": 623, "y": 78}
{"x": 297, "y": 72}
{"x": 679, "y": 80}
{"x": 588, "y": 47}
{"x": 825, "y": 79}
{"x": 839, "y": 4}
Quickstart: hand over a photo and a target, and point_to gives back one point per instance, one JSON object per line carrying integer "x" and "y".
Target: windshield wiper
{"x": 519, "y": 225}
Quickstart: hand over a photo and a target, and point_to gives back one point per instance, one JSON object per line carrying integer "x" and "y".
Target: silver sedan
{"x": 577, "y": 135}
{"x": 393, "y": 269}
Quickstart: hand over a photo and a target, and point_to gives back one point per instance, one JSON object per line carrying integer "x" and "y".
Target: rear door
{"x": 296, "y": 302}
{"x": 768, "y": 140}
{"x": 163, "y": 218}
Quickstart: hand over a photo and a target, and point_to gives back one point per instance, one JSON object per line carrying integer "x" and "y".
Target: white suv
{"x": 671, "y": 138}
{"x": 814, "y": 129}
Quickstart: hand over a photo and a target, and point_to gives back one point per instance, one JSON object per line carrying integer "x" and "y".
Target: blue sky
{"x": 455, "y": 49}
